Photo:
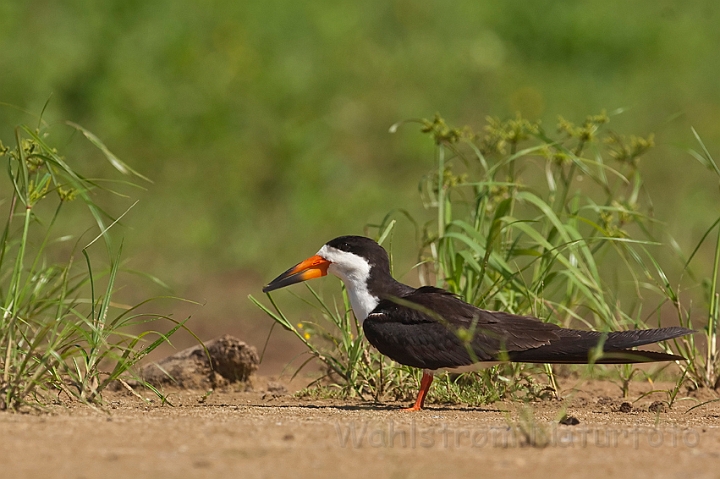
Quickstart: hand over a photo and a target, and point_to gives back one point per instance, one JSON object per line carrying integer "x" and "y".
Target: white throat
{"x": 354, "y": 271}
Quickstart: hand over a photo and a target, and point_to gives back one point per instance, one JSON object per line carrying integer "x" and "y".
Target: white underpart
{"x": 354, "y": 271}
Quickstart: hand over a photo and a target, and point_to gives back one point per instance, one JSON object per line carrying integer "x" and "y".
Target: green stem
{"x": 441, "y": 192}
{"x": 712, "y": 320}
{"x": 12, "y": 308}
{"x": 441, "y": 209}
{"x": 567, "y": 182}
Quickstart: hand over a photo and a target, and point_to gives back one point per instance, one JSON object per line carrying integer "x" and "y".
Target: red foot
{"x": 413, "y": 408}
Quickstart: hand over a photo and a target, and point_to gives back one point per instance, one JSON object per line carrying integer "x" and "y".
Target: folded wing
{"x": 432, "y": 329}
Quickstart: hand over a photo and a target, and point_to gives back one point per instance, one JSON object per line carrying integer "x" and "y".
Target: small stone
{"x": 275, "y": 388}
{"x": 657, "y": 406}
{"x": 605, "y": 401}
{"x": 625, "y": 407}
{"x": 569, "y": 421}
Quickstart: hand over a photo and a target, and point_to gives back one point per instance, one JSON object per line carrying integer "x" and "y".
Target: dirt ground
{"x": 267, "y": 434}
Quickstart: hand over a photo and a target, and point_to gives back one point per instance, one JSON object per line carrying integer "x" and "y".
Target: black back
{"x": 431, "y": 328}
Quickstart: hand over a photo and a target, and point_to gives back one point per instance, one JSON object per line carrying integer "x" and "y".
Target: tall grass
{"x": 61, "y": 331}
{"x": 557, "y": 225}
{"x": 703, "y": 369}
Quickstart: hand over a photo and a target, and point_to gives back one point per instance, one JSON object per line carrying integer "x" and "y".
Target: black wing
{"x": 423, "y": 330}
{"x": 574, "y": 347}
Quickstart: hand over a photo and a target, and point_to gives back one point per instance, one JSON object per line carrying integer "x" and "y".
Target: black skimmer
{"x": 432, "y": 329}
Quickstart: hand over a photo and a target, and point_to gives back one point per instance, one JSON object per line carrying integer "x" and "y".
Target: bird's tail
{"x": 576, "y": 347}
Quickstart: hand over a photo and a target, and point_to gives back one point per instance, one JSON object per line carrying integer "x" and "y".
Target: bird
{"x": 433, "y": 329}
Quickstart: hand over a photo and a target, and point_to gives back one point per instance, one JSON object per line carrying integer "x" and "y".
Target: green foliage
{"x": 285, "y": 103}
{"x": 580, "y": 246}
{"x": 525, "y": 221}
{"x": 557, "y": 226}
{"x": 61, "y": 330}
{"x": 702, "y": 369}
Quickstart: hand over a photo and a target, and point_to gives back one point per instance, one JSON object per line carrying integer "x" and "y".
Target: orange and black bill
{"x": 313, "y": 267}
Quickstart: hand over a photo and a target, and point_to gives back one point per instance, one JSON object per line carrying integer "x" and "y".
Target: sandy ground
{"x": 261, "y": 435}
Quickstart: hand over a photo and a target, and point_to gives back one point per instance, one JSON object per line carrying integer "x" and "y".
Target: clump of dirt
{"x": 230, "y": 361}
{"x": 657, "y": 407}
{"x": 277, "y": 388}
{"x": 606, "y": 403}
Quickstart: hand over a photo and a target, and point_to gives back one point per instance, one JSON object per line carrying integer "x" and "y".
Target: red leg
{"x": 425, "y": 383}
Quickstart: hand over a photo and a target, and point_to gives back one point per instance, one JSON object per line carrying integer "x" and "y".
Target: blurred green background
{"x": 264, "y": 124}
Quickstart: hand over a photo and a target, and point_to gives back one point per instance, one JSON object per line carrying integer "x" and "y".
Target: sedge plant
{"x": 553, "y": 224}
{"x": 703, "y": 366}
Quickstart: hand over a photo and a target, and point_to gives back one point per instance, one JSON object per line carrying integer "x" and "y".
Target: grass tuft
{"x": 61, "y": 328}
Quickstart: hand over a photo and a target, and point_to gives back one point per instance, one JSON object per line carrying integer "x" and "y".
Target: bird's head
{"x": 350, "y": 258}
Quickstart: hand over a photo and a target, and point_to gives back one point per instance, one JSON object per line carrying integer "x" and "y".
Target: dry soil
{"x": 265, "y": 434}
